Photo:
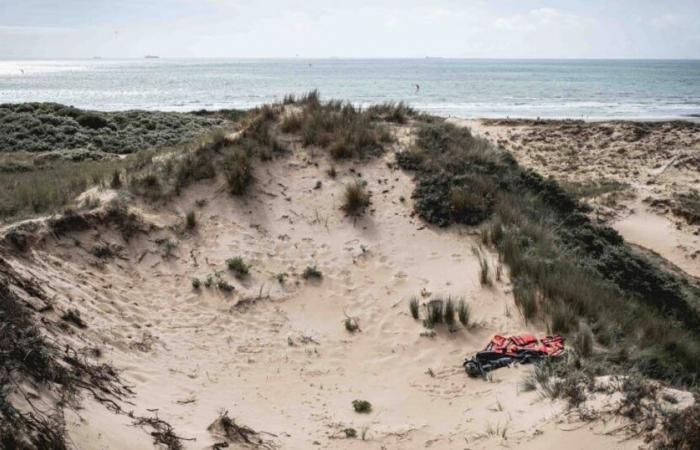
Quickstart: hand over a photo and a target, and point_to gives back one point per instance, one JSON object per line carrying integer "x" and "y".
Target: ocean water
{"x": 588, "y": 89}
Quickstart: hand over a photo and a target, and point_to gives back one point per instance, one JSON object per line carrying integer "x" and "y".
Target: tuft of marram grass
{"x": 583, "y": 340}
{"x": 238, "y": 171}
{"x": 414, "y": 306}
{"x": 355, "y": 199}
{"x": 362, "y": 406}
{"x": 434, "y": 313}
{"x": 312, "y": 272}
{"x": 484, "y": 269}
{"x": 463, "y": 313}
{"x": 191, "y": 220}
{"x": 449, "y": 314}
{"x": 238, "y": 266}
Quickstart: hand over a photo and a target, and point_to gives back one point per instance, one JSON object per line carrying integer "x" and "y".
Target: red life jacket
{"x": 513, "y": 345}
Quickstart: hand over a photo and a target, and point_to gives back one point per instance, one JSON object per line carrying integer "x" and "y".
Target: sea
{"x": 577, "y": 89}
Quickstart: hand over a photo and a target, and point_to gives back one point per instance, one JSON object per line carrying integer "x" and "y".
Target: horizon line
{"x": 151, "y": 57}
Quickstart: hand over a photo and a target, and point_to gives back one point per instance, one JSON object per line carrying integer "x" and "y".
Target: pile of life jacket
{"x": 503, "y": 351}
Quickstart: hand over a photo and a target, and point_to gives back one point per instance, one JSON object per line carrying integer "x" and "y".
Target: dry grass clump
{"x": 414, "y": 306}
{"x": 399, "y": 113}
{"x": 484, "y": 268}
{"x": 191, "y": 220}
{"x": 463, "y": 313}
{"x": 312, "y": 273}
{"x": 355, "y": 199}
{"x": 226, "y": 429}
{"x": 238, "y": 171}
{"x": 583, "y": 340}
{"x": 442, "y": 311}
{"x": 343, "y": 129}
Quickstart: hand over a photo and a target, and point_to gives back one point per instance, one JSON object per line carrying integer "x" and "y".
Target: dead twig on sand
{"x": 226, "y": 428}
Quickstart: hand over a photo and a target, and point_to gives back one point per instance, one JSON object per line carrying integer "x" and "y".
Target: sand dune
{"x": 276, "y": 356}
{"x": 648, "y": 165}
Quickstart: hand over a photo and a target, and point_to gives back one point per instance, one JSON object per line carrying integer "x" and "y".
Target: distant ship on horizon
{"x": 151, "y": 57}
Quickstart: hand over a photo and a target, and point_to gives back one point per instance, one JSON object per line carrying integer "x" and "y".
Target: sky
{"x": 56, "y": 29}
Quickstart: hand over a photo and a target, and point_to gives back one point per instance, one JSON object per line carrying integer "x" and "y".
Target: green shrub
{"x": 196, "y": 283}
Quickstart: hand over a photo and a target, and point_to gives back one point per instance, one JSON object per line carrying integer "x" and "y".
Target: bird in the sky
{"x": 417, "y": 87}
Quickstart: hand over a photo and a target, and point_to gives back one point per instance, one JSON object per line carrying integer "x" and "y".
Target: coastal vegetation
{"x": 564, "y": 268}
{"x": 621, "y": 311}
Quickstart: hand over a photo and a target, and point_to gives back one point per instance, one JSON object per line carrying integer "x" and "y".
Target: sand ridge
{"x": 277, "y": 356}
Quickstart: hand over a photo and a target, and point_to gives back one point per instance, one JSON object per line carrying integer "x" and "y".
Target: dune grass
{"x": 564, "y": 268}
{"x": 356, "y": 199}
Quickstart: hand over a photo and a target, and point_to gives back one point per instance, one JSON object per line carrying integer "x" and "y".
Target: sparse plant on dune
{"x": 238, "y": 171}
{"x": 312, "y": 273}
{"x": 449, "y": 316}
{"x": 238, "y": 266}
{"x": 224, "y": 286}
{"x": 434, "y": 313}
{"x": 351, "y": 324}
{"x": 196, "y": 283}
{"x": 463, "y": 313}
{"x": 484, "y": 269}
{"x": 191, "y": 220}
{"x": 355, "y": 199}
{"x": 414, "y": 306}
{"x": 281, "y": 277}
{"x": 362, "y": 406}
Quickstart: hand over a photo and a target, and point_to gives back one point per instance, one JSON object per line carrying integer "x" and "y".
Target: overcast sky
{"x": 359, "y": 28}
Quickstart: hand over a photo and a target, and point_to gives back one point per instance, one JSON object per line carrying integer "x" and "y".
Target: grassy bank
{"x": 566, "y": 271}
{"x": 50, "y": 153}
